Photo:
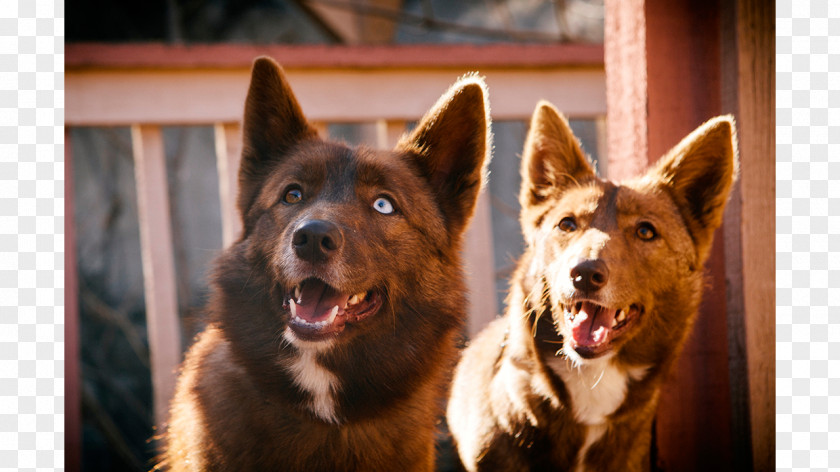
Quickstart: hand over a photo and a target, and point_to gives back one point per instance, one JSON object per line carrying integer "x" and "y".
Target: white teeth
{"x": 620, "y": 316}
{"x": 357, "y": 298}
{"x": 317, "y": 324}
{"x": 297, "y": 292}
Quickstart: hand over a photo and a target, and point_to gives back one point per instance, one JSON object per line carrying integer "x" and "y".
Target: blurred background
{"x": 116, "y": 392}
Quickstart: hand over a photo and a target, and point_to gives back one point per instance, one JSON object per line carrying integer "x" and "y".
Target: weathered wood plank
{"x": 478, "y": 255}
{"x": 189, "y": 96}
{"x": 624, "y": 62}
{"x": 158, "y": 264}
{"x": 228, "y": 153}
{"x": 232, "y": 56}
{"x": 388, "y": 132}
{"x": 749, "y": 78}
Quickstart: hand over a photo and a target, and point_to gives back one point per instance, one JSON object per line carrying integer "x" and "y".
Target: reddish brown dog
{"x": 333, "y": 317}
{"x": 600, "y": 305}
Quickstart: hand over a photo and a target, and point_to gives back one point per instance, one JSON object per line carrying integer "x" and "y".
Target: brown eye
{"x": 293, "y": 195}
{"x": 567, "y": 224}
{"x": 645, "y": 231}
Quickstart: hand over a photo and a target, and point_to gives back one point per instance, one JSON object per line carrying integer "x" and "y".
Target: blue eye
{"x": 293, "y": 196}
{"x": 383, "y": 205}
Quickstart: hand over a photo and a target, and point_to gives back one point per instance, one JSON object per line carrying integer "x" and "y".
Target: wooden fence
{"x": 149, "y": 86}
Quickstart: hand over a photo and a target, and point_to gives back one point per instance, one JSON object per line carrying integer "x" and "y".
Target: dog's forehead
{"x": 625, "y": 199}
{"x": 589, "y": 198}
{"x": 339, "y": 170}
{"x": 640, "y": 198}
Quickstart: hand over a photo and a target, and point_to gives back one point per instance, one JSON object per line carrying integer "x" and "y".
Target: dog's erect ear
{"x": 451, "y": 144}
{"x": 272, "y": 124}
{"x": 698, "y": 173}
{"x": 552, "y": 158}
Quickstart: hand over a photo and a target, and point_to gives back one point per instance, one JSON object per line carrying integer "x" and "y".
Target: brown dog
{"x": 600, "y": 305}
{"x": 334, "y": 316}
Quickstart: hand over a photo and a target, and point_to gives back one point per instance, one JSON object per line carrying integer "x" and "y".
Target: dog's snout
{"x": 590, "y": 275}
{"x": 317, "y": 240}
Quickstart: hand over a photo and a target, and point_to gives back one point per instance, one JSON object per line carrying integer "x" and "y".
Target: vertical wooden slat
{"x": 158, "y": 264}
{"x": 322, "y": 129}
{"x": 749, "y": 82}
{"x": 741, "y": 435}
{"x": 756, "y": 33}
{"x": 601, "y": 143}
{"x": 228, "y": 154}
{"x": 72, "y": 373}
{"x": 478, "y": 252}
{"x": 388, "y": 132}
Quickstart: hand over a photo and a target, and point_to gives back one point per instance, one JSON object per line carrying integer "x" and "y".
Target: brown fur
{"x": 240, "y": 403}
{"x": 527, "y": 394}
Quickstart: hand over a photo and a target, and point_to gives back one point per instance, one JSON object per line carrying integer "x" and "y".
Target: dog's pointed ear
{"x": 451, "y": 145}
{"x": 272, "y": 124}
{"x": 698, "y": 173}
{"x": 552, "y": 159}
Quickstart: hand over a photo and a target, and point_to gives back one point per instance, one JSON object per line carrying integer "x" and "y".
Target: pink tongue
{"x": 591, "y": 325}
{"x": 317, "y": 300}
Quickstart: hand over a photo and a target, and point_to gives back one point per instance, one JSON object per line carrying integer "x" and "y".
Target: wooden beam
{"x": 98, "y": 56}
{"x": 72, "y": 372}
{"x": 123, "y": 97}
{"x": 228, "y": 154}
{"x": 663, "y": 66}
{"x": 683, "y": 51}
{"x": 627, "y": 89}
{"x": 748, "y": 92}
{"x": 757, "y": 107}
{"x": 158, "y": 266}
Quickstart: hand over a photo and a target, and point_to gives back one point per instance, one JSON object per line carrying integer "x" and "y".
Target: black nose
{"x": 317, "y": 240}
{"x": 590, "y": 275}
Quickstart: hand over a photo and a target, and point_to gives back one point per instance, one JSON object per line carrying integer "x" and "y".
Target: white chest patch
{"x": 597, "y": 388}
{"x": 318, "y": 381}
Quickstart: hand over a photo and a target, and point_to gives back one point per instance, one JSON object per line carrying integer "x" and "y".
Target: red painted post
{"x": 72, "y": 374}
{"x": 662, "y": 61}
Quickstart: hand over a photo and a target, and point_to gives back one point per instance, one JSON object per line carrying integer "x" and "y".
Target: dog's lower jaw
{"x": 303, "y": 344}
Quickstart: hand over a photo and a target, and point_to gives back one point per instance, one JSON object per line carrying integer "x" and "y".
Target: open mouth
{"x": 595, "y": 327}
{"x": 319, "y": 311}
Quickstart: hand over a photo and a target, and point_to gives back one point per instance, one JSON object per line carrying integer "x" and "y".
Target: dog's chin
{"x": 594, "y": 330}
{"x": 319, "y": 313}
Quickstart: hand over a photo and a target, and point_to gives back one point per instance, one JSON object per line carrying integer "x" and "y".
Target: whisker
{"x": 599, "y": 379}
